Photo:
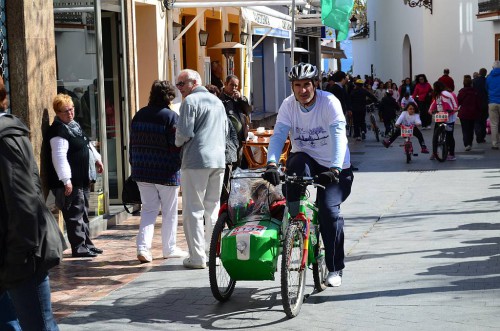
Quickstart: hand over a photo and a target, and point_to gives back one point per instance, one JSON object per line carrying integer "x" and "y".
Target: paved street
{"x": 423, "y": 253}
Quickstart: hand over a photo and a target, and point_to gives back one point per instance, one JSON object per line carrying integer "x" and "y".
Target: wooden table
{"x": 262, "y": 143}
{"x": 266, "y": 133}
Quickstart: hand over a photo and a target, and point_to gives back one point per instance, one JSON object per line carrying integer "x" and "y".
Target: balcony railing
{"x": 488, "y": 6}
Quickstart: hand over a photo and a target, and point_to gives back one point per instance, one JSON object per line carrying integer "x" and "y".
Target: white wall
{"x": 449, "y": 38}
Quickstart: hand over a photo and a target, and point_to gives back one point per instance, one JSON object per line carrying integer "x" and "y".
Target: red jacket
{"x": 422, "y": 92}
{"x": 470, "y": 104}
{"x": 448, "y": 82}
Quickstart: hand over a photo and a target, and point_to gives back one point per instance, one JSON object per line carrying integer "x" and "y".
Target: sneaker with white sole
{"x": 468, "y": 148}
{"x": 334, "y": 279}
{"x": 176, "y": 253}
{"x": 191, "y": 265}
{"x": 144, "y": 256}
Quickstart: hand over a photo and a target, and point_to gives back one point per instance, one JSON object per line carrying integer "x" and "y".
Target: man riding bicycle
{"x": 317, "y": 128}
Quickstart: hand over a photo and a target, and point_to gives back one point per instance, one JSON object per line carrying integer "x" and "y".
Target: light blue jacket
{"x": 201, "y": 131}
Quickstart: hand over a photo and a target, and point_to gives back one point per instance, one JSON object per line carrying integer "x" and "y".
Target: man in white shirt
{"x": 317, "y": 126}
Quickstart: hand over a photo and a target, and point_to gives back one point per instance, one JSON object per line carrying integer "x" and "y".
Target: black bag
{"x": 130, "y": 194}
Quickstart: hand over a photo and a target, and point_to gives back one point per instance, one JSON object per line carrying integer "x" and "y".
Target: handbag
{"x": 130, "y": 194}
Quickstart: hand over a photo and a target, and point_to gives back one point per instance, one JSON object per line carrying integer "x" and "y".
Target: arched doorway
{"x": 407, "y": 58}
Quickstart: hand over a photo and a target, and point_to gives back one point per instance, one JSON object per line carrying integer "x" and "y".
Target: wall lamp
{"x": 176, "y": 29}
{"x": 244, "y": 38}
{"x": 203, "y": 36}
{"x": 419, "y": 3}
{"x": 228, "y": 36}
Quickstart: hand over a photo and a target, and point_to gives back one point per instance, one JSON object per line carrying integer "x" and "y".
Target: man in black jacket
{"x": 479, "y": 84}
{"x": 30, "y": 241}
{"x": 237, "y": 109}
{"x": 338, "y": 89}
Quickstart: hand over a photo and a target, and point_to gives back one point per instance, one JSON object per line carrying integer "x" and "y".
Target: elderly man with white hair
{"x": 201, "y": 131}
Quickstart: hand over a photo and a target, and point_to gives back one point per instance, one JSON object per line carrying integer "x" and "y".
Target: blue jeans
{"x": 331, "y": 223}
{"x": 8, "y": 317}
{"x": 31, "y": 301}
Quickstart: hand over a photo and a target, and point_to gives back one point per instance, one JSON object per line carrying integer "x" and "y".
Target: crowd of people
{"x": 476, "y": 104}
{"x": 196, "y": 149}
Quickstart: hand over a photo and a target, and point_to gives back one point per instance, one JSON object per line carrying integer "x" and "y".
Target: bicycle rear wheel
{"x": 320, "y": 271}
{"x": 221, "y": 284}
{"x": 439, "y": 140}
{"x": 293, "y": 276}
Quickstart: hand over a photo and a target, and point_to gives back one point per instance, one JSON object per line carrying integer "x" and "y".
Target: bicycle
{"x": 439, "y": 136}
{"x": 370, "y": 109}
{"x": 247, "y": 246}
{"x": 407, "y": 133}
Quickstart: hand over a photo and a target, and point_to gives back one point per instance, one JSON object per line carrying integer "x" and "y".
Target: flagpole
{"x": 292, "y": 42}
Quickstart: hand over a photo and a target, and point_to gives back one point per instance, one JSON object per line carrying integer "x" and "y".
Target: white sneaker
{"x": 191, "y": 265}
{"x": 176, "y": 253}
{"x": 334, "y": 279}
{"x": 144, "y": 256}
{"x": 468, "y": 148}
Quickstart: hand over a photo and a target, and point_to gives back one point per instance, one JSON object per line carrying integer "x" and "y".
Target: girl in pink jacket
{"x": 444, "y": 101}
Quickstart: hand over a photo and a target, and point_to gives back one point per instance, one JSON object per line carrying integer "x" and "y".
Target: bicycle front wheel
{"x": 320, "y": 271}
{"x": 293, "y": 276}
{"x": 221, "y": 284}
{"x": 440, "y": 142}
{"x": 408, "y": 151}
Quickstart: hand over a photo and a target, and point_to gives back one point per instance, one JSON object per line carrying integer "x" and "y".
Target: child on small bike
{"x": 408, "y": 117}
{"x": 443, "y": 100}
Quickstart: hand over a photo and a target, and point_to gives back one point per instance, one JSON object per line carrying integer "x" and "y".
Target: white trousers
{"x": 494, "y": 113}
{"x": 201, "y": 190}
{"x": 153, "y": 197}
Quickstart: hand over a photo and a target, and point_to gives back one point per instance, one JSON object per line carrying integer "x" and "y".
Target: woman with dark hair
{"x": 213, "y": 89}
{"x": 156, "y": 163}
{"x": 422, "y": 94}
{"x": 406, "y": 87}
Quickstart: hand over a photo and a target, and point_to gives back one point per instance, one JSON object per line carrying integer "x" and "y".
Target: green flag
{"x": 336, "y": 14}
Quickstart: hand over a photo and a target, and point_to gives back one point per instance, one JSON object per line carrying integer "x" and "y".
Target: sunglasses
{"x": 181, "y": 84}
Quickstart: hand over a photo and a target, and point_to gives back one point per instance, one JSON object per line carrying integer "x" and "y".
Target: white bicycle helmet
{"x": 303, "y": 71}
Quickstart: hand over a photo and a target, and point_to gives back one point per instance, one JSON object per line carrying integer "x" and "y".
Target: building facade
{"x": 405, "y": 41}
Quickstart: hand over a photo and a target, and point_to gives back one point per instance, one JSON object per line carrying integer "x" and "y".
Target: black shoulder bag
{"x": 130, "y": 194}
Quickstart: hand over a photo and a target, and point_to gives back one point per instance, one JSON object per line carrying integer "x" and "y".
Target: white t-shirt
{"x": 406, "y": 119}
{"x": 310, "y": 132}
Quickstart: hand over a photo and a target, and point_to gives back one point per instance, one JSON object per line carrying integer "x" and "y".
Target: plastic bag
{"x": 251, "y": 195}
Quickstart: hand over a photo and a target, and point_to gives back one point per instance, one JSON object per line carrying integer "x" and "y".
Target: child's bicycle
{"x": 370, "y": 109}
{"x": 246, "y": 245}
{"x": 439, "y": 136}
{"x": 407, "y": 133}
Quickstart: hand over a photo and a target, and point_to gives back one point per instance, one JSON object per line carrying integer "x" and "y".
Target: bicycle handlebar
{"x": 301, "y": 180}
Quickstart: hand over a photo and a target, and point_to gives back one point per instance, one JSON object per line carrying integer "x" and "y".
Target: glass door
{"x": 112, "y": 103}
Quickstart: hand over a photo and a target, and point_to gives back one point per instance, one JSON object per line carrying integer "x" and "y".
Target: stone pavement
{"x": 423, "y": 252}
